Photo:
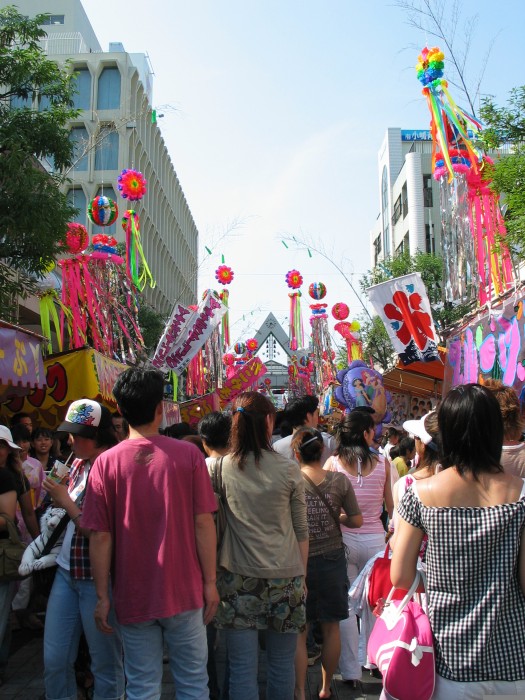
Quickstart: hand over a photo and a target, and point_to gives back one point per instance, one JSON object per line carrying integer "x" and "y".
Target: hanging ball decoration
{"x": 252, "y": 344}
{"x": 104, "y": 243}
{"x": 103, "y": 211}
{"x": 317, "y": 290}
{"x": 224, "y": 274}
{"x": 228, "y": 359}
{"x": 239, "y": 348}
{"x": 129, "y": 216}
{"x": 355, "y": 326}
{"x": 303, "y": 361}
{"x": 340, "y": 311}
{"x": 77, "y": 238}
{"x": 325, "y": 355}
{"x": 294, "y": 279}
{"x": 132, "y": 185}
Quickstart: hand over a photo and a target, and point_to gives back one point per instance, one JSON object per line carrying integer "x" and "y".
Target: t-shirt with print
{"x": 325, "y": 536}
{"x": 147, "y": 492}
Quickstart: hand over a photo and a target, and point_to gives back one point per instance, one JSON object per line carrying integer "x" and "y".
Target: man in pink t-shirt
{"x": 149, "y": 503}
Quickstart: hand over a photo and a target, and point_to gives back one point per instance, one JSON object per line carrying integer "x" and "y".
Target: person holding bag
{"x": 263, "y": 553}
{"x": 474, "y": 516}
{"x": 327, "y": 494}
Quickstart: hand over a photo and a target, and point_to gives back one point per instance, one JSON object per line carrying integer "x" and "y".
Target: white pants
{"x": 446, "y": 690}
{"x": 353, "y": 642}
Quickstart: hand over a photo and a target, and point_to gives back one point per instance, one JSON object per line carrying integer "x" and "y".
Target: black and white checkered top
{"x": 475, "y": 604}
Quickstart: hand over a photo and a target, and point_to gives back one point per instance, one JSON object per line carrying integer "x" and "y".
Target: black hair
{"x": 249, "y": 427}
{"x": 471, "y": 430}
{"x": 20, "y": 433}
{"x": 39, "y": 432}
{"x": 349, "y": 433}
{"x": 393, "y": 432}
{"x": 215, "y": 430}
{"x": 406, "y": 445}
{"x": 17, "y": 417}
{"x": 197, "y": 441}
{"x": 106, "y": 437}
{"x": 308, "y": 442}
{"x": 138, "y": 393}
{"x": 179, "y": 430}
{"x": 297, "y": 410}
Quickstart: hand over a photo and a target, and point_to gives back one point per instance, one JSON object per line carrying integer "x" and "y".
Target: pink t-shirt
{"x": 369, "y": 491}
{"x": 146, "y": 492}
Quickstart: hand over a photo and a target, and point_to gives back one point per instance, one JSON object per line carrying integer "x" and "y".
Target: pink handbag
{"x": 402, "y": 647}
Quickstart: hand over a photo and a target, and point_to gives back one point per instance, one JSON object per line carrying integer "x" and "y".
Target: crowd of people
{"x": 141, "y": 575}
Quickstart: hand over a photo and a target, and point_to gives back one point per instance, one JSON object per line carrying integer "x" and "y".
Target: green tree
{"x": 505, "y": 127}
{"x": 33, "y": 212}
{"x": 376, "y": 343}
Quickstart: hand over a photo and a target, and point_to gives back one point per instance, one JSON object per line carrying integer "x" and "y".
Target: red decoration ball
{"x": 228, "y": 359}
{"x": 340, "y": 311}
{"x": 77, "y": 238}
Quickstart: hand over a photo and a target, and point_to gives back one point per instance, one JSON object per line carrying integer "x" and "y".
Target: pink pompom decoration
{"x": 228, "y": 359}
{"x": 132, "y": 185}
{"x": 77, "y": 238}
{"x": 340, "y": 311}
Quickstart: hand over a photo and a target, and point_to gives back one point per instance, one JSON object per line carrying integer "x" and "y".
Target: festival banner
{"x": 242, "y": 380}
{"x": 186, "y": 333}
{"x": 192, "y": 411}
{"x": 403, "y": 306}
{"x": 490, "y": 346}
{"x": 21, "y": 363}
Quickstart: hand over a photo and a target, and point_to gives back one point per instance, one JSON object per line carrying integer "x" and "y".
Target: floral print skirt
{"x": 249, "y": 603}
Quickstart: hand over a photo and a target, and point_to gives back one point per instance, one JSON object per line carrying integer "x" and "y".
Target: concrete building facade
{"x": 409, "y": 215}
{"x": 117, "y": 129}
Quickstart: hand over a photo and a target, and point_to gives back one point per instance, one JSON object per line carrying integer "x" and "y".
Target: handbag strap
{"x": 217, "y": 477}
{"x": 59, "y": 529}
{"x": 11, "y": 529}
{"x": 324, "y": 500}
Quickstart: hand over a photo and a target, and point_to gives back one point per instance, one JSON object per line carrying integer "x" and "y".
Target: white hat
{"x": 417, "y": 429}
{"x": 6, "y": 436}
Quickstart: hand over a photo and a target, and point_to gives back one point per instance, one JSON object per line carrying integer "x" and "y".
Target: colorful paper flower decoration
{"x": 104, "y": 243}
{"x": 294, "y": 279}
{"x": 77, "y": 238}
{"x": 127, "y": 217}
{"x": 132, "y": 185}
{"x": 340, "y": 311}
{"x": 103, "y": 211}
{"x": 252, "y": 344}
{"x": 317, "y": 290}
{"x": 239, "y": 348}
{"x": 228, "y": 359}
{"x": 430, "y": 64}
{"x": 268, "y": 381}
{"x": 224, "y": 274}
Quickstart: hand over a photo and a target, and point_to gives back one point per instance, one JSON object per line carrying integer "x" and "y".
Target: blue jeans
{"x": 185, "y": 637}
{"x": 243, "y": 654}
{"x": 69, "y": 613}
{"x": 7, "y": 591}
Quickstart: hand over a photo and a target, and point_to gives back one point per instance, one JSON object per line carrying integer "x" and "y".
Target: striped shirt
{"x": 475, "y": 604}
{"x": 369, "y": 491}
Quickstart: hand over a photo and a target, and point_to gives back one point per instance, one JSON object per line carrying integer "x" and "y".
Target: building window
{"x": 377, "y": 250}
{"x": 106, "y": 151}
{"x": 108, "y": 191}
{"x": 397, "y": 211}
{"x": 404, "y": 200}
{"x": 80, "y": 138}
{"x": 109, "y": 89}
{"x": 21, "y": 102}
{"x": 82, "y": 81}
{"x": 43, "y": 103}
{"x": 77, "y": 199}
{"x": 406, "y": 243}
{"x": 385, "y": 212}
{"x": 53, "y": 19}
{"x": 427, "y": 191}
{"x": 430, "y": 242}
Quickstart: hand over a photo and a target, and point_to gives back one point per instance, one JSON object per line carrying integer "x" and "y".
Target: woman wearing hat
{"x": 73, "y": 598}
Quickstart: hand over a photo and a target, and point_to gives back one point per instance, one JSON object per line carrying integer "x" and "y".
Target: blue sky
{"x": 277, "y": 110}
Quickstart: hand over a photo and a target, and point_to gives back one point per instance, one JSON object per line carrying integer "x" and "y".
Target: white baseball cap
{"x": 6, "y": 436}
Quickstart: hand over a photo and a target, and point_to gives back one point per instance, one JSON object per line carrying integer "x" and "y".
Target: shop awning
{"x": 21, "y": 363}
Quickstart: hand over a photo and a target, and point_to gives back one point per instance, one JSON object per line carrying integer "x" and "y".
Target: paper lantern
{"x": 103, "y": 211}
{"x": 294, "y": 279}
{"x": 77, "y": 238}
{"x": 317, "y": 290}
{"x": 340, "y": 311}
{"x": 239, "y": 348}
{"x": 224, "y": 274}
{"x": 132, "y": 185}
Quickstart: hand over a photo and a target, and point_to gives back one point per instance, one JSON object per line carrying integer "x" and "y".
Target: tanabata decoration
{"x": 340, "y": 311}
{"x": 324, "y": 368}
{"x": 476, "y": 259}
{"x": 225, "y": 321}
{"x": 294, "y": 279}
{"x": 132, "y": 185}
{"x": 224, "y": 274}
{"x": 104, "y": 244}
{"x": 228, "y": 359}
{"x": 362, "y": 386}
{"x": 350, "y": 332}
{"x": 49, "y": 300}
{"x": 101, "y": 303}
{"x": 103, "y": 211}
{"x": 77, "y": 238}
{"x": 204, "y": 373}
{"x": 299, "y": 378}
{"x": 252, "y": 344}
{"x": 239, "y": 348}
{"x": 137, "y": 267}
{"x": 317, "y": 290}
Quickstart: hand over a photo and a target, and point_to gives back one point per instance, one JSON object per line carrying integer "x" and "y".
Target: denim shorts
{"x": 327, "y": 584}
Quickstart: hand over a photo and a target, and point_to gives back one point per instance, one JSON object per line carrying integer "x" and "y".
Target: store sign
{"x": 242, "y": 380}
{"x": 21, "y": 362}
